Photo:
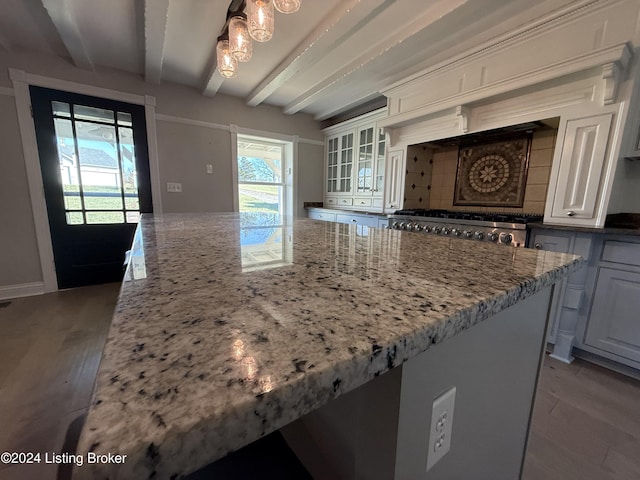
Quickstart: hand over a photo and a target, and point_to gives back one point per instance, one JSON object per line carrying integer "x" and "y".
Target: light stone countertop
{"x": 206, "y": 355}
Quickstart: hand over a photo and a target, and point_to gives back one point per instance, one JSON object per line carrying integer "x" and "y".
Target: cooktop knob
{"x": 417, "y": 227}
{"x": 408, "y": 226}
{"x": 437, "y": 229}
{"x": 506, "y": 238}
{"x": 456, "y": 232}
{"x": 480, "y": 235}
{"x": 395, "y": 225}
{"x": 446, "y": 231}
{"x": 428, "y": 228}
{"x": 468, "y": 233}
{"x": 493, "y": 236}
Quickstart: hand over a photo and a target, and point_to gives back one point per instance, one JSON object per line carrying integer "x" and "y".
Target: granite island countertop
{"x": 230, "y": 327}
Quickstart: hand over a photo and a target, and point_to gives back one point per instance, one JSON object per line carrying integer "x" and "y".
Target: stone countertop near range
{"x": 205, "y": 356}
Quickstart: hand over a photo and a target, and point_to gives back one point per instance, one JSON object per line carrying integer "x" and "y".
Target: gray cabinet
{"x": 555, "y": 242}
{"x": 319, "y": 215}
{"x": 568, "y": 301}
{"x": 613, "y": 326}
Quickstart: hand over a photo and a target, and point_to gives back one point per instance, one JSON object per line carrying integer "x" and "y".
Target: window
{"x": 260, "y": 176}
{"x": 263, "y": 202}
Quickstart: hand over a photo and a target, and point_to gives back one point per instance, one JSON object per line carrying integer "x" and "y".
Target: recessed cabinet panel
{"x": 581, "y": 166}
{"x": 614, "y": 323}
{"x": 395, "y": 178}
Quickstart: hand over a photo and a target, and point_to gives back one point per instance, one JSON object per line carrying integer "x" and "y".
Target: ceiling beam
{"x": 156, "y": 17}
{"x": 340, "y": 22}
{"x": 433, "y": 13}
{"x": 63, "y": 18}
{"x": 213, "y": 82}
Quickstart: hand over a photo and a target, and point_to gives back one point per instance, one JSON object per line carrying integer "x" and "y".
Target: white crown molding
{"x": 9, "y": 292}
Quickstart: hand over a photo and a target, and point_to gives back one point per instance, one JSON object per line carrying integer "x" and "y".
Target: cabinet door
{"x": 614, "y": 323}
{"x": 345, "y": 163}
{"x": 581, "y": 165}
{"x": 333, "y": 147}
{"x": 395, "y": 181}
{"x": 365, "y": 165}
{"x": 378, "y": 166}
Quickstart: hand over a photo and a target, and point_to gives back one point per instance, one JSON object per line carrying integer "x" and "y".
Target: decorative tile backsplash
{"x": 431, "y": 177}
{"x": 418, "y": 181}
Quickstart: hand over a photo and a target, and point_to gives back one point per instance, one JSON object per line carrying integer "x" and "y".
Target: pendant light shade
{"x": 239, "y": 39}
{"x": 260, "y": 18}
{"x": 287, "y": 6}
{"x": 227, "y": 64}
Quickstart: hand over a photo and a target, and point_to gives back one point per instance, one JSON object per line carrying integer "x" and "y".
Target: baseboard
{"x": 606, "y": 363}
{"x": 7, "y": 292}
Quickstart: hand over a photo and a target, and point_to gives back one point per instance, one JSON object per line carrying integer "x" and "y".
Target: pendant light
{"x": 227, "y": 64}
{"x": 287, "y": 6}
{"x": 260, "y": 18}
{"x": 239, "y": 38}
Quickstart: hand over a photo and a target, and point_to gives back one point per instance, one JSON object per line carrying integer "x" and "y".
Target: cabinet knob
{"x": 354, "y": 220}
{"x": 537, "y": 245}
{"x": 571, "y": 213}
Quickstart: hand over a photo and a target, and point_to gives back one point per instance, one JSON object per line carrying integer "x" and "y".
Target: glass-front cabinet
{"x": 355, "y": 160}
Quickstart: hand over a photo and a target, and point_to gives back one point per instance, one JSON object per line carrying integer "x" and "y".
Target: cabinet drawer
{"x": 621, "y": 252}
{"x": 344, "y": 202}
{"x": 362, "y": 202}
{"x": 328, "y": 217}
{"x": 370, "y": 221}
{"x": 377, "y": 202}
{"x": 331, "y": 201}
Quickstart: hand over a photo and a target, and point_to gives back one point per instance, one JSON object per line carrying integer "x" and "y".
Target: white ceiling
{"x": 330, "y": 56}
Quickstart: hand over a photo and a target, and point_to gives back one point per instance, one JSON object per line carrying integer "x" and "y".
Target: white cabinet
{"x": 575, "y": 184}
{"x": 355, "y": 164}
{"x": 613, "y": 326}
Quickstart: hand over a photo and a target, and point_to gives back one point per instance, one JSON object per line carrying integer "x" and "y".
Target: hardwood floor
{"x": 50, "y": 347}
{"x": 586, "y": 424}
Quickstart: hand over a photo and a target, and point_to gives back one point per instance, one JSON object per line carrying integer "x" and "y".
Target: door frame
{"x": 21, "y": 81}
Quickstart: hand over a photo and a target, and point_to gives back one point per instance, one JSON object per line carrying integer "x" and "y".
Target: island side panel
{"x": 494, "y": 367}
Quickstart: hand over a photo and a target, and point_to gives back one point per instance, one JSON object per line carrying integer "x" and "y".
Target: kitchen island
{"x": 231, "y": 326}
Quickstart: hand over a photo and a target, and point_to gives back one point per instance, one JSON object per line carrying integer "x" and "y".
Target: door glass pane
{"x": 82, "y": 112}
{"x": 128, "y": 162}
{"x": 69, "y": 172}
{"x": 124, "y": 119}
{"x": 104, "y": 217}
{"x": 61, "y": 109}
{"x": 75, "y": 218}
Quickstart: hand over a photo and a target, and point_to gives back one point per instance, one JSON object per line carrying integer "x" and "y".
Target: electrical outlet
{"x": 209, "y": 168}
{"x": 174, "y": 187}
{"x": 441, "y": 427}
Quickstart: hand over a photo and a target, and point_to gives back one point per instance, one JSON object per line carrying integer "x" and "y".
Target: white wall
{"x": 184, "y": 146}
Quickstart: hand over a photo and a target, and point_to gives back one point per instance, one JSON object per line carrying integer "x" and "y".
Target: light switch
{"x": 209, "y": 168}
{"x": 174, "y": 187}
